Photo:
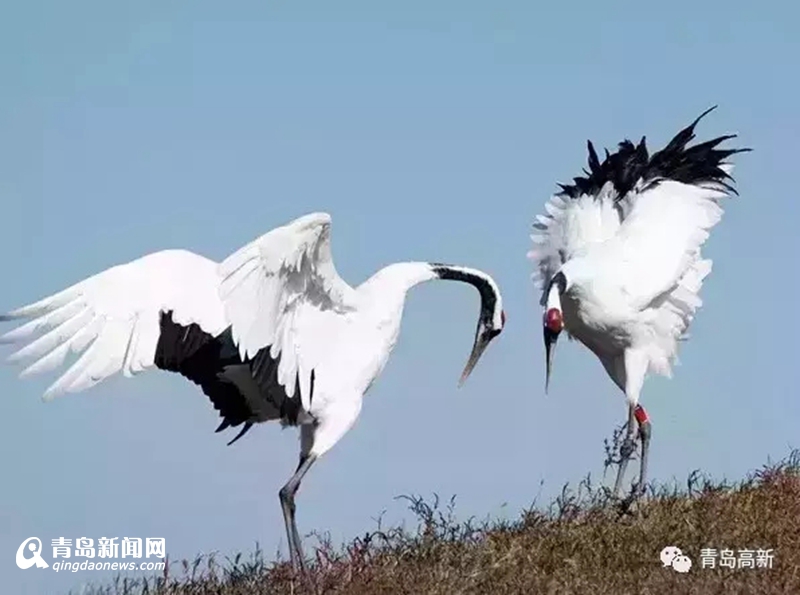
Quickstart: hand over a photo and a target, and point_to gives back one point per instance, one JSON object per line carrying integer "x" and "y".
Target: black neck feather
{"x": 484, "y": 287}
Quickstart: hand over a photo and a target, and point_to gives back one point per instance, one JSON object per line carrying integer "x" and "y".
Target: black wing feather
{"x": 677, "y": 161}
{"x": 202, "y": 358}
{"x": 199, "y": 357}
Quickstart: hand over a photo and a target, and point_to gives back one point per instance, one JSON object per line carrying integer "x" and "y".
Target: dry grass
{"x": 581, "y": 544}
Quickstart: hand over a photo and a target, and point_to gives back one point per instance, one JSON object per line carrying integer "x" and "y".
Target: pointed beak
{"x": 482, "y": 339}
{"x": 550, "y": 339}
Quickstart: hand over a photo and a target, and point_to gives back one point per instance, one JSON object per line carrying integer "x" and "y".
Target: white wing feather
{"x": 661, "y": 268}
{"x": 571, "y": 226}
{"x": 112, "y": 318}
{"x": 273, "y": 283}
{"x": 660, "y": 240}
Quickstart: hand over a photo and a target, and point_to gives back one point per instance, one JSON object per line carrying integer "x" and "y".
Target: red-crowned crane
{"x": 620, "y": 265}
{"x": 271, "y": 333}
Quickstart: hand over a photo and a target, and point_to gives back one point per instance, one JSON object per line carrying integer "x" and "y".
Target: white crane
{"x": 271, "y": 333}
{"x": 619, "y": 261}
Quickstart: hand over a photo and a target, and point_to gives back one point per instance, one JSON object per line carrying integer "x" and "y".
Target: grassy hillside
{"x": 580, "y": 544}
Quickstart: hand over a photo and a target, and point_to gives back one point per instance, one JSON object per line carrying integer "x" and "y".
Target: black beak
{"x": 550, "y": 339}
{"x": 482, "y": 339}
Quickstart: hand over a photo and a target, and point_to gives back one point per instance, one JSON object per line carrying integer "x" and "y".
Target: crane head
{"x": 553, "y": 325}
{"x": 553, "y": 321}
{"x": 487, "y": 330}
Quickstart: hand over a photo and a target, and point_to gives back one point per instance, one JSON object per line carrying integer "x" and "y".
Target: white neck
{"x": 398, "y": 278}
{"x": 554, "y": 298}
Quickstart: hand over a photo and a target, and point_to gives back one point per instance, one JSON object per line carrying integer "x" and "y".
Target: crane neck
{"x": 553, "y": 298}
{"x": 491, "y": 301}
{"x": 394, "y": 282}
{"x": 556, "y": 287}
{"x": 397, "y": 278}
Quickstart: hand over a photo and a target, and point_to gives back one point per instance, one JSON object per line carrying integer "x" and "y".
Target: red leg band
{"x": 641, "y": 415}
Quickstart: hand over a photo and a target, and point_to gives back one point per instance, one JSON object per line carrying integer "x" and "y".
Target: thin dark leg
{"x": 298, "y": 543}
{"x": 286, "y": 496}
{"x": 625, "y": 451}
{"x": 645, "y": 430}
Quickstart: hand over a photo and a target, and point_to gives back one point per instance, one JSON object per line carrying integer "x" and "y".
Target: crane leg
{"x": 625, "y": 451}
{"x": 645, "y": 430}
{"x": 286, "y": 496}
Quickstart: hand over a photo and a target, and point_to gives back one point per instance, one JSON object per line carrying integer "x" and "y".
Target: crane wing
{"x": 278, "y": 290}
{"x": 574, "y": 221}
{"x": 112, "y": 319}
{"x": 658, "y": 266}
{"x": 673, "y": 199}
{"x": 659, "y": 244}
{"x": 655, "y": 211}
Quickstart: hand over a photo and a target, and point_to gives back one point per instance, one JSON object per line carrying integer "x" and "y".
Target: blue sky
{"x": 430, "y": 131}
